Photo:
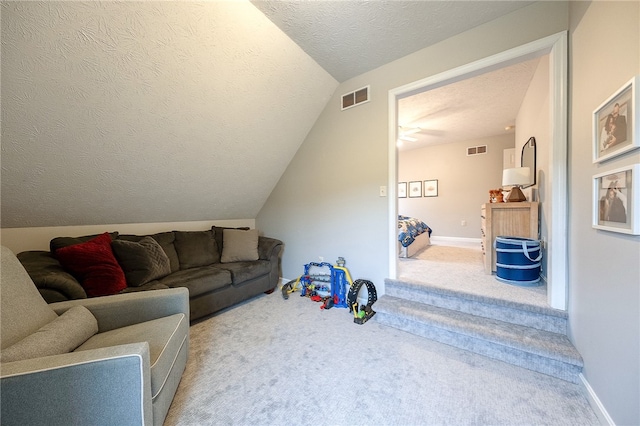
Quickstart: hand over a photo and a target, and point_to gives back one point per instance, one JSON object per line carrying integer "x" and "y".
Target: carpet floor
{"x": 271, "y": 361}
{"x": 461, "y": 268}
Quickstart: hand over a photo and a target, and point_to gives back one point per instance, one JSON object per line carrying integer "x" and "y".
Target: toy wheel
{"x": 372, "y": 295}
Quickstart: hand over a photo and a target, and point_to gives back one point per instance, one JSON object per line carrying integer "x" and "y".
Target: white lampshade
{"x": 516, "y": 176}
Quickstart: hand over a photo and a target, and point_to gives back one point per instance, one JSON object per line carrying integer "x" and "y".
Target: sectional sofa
{"x": 219, "y": 266}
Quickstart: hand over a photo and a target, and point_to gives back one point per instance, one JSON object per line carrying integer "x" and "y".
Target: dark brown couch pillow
{"x": 196, "y": 248}
{"x": 141, "y": 261}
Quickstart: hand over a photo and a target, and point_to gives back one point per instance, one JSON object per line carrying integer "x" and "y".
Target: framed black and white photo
{"x": 616, "y": 194}
{"x": 615, "y": 123}
{"x": 402, "y": 189}
{"x": 415, "y": 189}
{"x": 431, "y": 188}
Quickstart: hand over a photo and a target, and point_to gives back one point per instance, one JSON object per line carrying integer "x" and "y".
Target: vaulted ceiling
{"x": 125, "y": 112}
{"x": 348, "y": 38}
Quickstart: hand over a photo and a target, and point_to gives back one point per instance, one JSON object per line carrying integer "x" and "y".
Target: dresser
{"x": 509, "y": 220}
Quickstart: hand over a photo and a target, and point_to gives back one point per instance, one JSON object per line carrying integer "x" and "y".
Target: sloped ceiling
{"x": 126, "y": 112}
{"x": 348, "y": 38}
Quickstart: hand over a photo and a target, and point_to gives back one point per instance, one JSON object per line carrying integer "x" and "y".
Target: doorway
{"x": 556, "y": 47}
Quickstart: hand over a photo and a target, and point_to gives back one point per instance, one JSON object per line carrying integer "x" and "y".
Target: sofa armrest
{"x": 52, "y": 280}
{"x": 102, "y": 386}
{"x": 267, "y": 247}
{"x": 121, "y": 310}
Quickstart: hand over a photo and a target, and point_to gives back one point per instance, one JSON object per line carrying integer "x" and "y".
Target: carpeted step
{"x": 539, "y": 317}
{"x": 534, "y": 349}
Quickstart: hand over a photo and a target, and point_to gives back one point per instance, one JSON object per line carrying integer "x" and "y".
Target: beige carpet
{"x": 275, "y": 362}
{"x": 461, "y": 268}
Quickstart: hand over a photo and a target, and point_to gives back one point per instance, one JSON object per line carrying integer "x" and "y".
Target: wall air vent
{"x": 475, "y": 150}
{"x": 354, "y": 98}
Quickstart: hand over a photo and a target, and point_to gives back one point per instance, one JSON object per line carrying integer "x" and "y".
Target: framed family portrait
{"x": 402, "y": 189}
{"x": 616, "y": 195}
{"x": 431, "y": 188}
{"x": 415, "y": 189}
{"x": 615, "y": 123}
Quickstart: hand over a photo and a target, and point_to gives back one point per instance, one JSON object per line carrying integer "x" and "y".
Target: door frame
{"x": 556, "y": 47}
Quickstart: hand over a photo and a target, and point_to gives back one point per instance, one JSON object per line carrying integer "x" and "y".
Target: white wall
{"x": 604, "y": 267}
{"x": 23, "y": 239}
{"x": 327, "y": 202}
{"x": 534, "y": 119}
{"x": 463, "y": 184}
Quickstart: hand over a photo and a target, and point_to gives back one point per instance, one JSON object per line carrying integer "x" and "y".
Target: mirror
{"x": 528, "y": 159}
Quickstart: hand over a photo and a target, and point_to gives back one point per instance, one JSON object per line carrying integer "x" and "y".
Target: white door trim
{"x": 556, "y": 47}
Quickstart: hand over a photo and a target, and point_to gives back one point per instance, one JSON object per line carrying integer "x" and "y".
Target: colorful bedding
{"x": 409, "y": 228}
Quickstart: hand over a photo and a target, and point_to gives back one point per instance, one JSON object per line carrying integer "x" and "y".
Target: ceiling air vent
{"x": 354, "y": 98}
{"x": 475, "y": 150}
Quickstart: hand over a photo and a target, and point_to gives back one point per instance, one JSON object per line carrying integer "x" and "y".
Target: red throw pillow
{"x": 94, "y": 264}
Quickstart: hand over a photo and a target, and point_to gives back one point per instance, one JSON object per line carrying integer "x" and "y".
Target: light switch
{"x": 383, "y": 191}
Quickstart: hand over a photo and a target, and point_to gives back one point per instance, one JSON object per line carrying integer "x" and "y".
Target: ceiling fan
{"x": 404, "y": 133}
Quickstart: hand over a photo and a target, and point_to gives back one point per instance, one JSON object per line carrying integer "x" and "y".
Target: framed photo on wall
{"x": 431, "y": 188}
{"x": 615, "y": 123}
{"x": 415, "y": 189}
{"x": 616, "y": 195}
{"x": 402, "y": 189}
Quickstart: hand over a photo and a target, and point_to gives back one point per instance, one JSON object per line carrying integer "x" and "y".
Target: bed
{"x": 413, "y": 236}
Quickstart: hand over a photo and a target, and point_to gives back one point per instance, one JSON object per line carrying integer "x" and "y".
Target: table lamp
{"x": 516, "y": 177}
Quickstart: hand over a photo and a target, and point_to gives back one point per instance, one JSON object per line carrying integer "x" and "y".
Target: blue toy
{"x": 331, "y": 285}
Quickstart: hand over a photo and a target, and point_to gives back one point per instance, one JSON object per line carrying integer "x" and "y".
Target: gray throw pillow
{"x": 142, "y": 261}
{"x": 217, "y": 234}
{"x": 60, "y": 336}
{"x": 239, "y": 246}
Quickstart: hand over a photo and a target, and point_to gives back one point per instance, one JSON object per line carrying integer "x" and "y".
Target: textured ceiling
{"x": 470, "y": 109}
{"x": 348, "y": 38}
{"x": 126, "y": 112}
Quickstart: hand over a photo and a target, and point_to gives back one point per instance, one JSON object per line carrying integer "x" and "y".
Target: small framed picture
{"x": 431, "y": 188}
{"x": 415, "y": 189}
{"x": 615, "y": 123}
{"x": 402, "y": 189}
{"x": 615, "y": 197}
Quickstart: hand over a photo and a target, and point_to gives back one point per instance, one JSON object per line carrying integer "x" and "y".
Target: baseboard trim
{"x": 595, "y": 403}
{"x": 437, "y": 238}
{"x": 543, "y": 278}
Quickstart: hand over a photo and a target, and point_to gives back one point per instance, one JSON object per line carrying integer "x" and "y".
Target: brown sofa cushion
{"x": 60, "y": 242}
{"x": 242, "y": 272}
{"x": 196, "y": 248}
{"x": 199, "y": 280}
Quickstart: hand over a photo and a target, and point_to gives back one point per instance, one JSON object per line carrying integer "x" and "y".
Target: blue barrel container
{"x": 518, "y": 261}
